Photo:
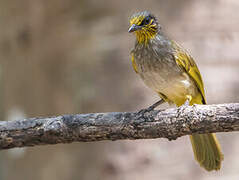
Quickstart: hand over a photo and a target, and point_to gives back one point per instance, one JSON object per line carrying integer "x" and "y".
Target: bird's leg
{"x": 152, "y": 107}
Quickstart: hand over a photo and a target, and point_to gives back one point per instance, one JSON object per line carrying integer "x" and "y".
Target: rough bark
{"x": 168, "y": 123}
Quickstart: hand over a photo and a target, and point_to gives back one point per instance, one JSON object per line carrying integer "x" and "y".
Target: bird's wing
{"x": 133, "y": 62}
{"x": 186, "y": 62}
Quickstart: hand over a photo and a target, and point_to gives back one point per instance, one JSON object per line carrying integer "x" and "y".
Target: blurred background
{"x": 61, "y": 57}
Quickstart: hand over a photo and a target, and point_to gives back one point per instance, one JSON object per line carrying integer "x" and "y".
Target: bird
{"x": 169, "y": 70}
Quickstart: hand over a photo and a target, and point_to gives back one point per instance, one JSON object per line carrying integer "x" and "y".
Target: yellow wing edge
{"x": 187, "y": 63}
{"x": 133, "y": 63}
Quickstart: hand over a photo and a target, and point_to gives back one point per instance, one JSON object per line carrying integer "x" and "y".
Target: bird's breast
{"x": 164, "y": 76}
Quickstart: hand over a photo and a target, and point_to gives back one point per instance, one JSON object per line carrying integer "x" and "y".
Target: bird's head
{"x": 144, "y": 25}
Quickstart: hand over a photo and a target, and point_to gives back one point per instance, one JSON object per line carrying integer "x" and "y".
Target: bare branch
{"x": 169, "y": 123}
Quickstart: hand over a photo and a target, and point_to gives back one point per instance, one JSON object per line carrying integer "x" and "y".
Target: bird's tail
{"x": 207, "y": 151}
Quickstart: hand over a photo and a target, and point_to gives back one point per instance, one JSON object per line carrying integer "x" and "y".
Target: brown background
{"x": 72, "y": 56}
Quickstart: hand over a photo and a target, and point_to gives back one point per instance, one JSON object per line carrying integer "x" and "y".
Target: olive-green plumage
{"x": 170, "y": 71}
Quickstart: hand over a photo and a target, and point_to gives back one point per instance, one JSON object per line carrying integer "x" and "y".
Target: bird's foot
{"x": 185, "y": 105}
{"x": 151, "y": 108}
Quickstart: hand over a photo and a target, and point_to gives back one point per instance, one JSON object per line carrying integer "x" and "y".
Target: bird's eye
{"x": 147, "y": 20}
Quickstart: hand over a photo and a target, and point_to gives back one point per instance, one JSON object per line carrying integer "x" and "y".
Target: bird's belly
{"x": 176, "y": 87}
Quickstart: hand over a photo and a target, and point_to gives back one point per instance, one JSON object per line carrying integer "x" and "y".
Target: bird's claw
{"x": 182, "y": 107}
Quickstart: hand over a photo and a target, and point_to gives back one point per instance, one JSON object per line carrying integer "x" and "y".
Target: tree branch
{"x": 169, "y": 123}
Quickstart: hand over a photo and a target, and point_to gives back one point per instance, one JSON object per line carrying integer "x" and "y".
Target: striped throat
{"x": 144, "y": 25}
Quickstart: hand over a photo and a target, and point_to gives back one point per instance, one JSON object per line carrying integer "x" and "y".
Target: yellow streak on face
{"x": 144, "y": 34}
{"x": 136, "y": 20}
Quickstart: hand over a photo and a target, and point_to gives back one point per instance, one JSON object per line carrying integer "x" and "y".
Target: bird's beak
{"x": 133, "y": 28}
